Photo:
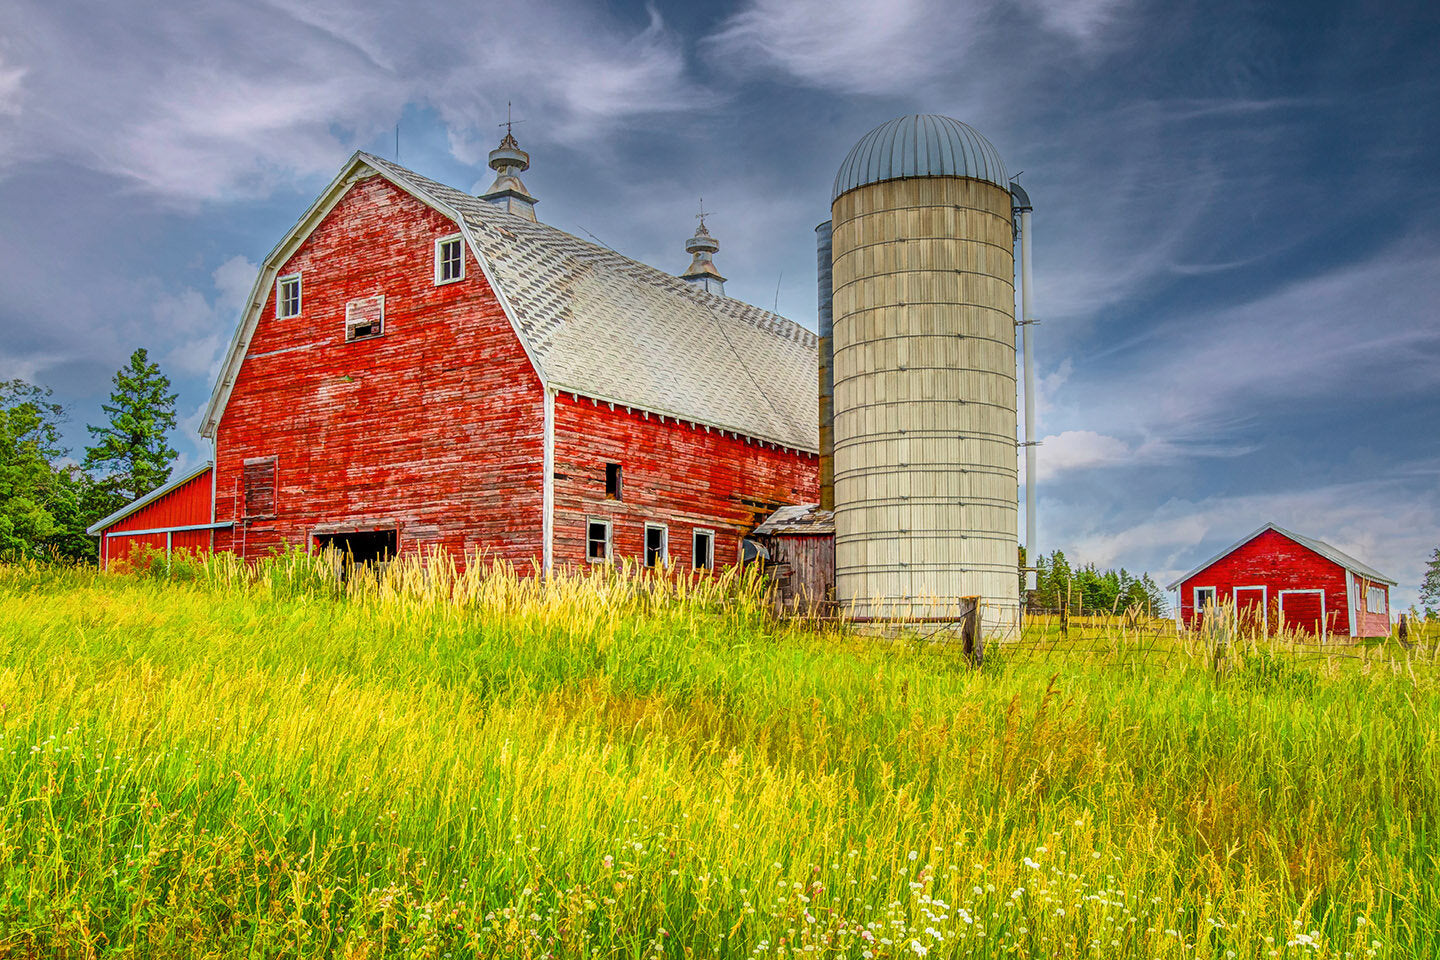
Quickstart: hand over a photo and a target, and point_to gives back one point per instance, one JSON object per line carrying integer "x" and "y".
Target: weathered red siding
{"x": 434, "y": 428}
{"x": 186, "y": 505}
{"x": 673, "y": 473}
{"x": 1278, "y": 563}
{"x": 1369, "y": 624}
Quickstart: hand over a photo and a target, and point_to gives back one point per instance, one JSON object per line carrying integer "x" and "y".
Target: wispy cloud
{"x": 1368, "y": 330}
{"x": 241, "y": 98}
{"x": 849, "y": 46}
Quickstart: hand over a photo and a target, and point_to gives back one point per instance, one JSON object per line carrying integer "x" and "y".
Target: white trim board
{"x": 180, "y": 529}
{"x": 547, "y": 485}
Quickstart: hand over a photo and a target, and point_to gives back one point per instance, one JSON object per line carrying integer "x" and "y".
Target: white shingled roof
{"x": 602, "y": 325}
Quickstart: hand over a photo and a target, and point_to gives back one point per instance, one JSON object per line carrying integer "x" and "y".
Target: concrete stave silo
{"x": 924, "y": 375}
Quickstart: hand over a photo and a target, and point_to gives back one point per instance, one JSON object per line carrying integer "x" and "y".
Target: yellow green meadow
{"x": 215, "y": 761}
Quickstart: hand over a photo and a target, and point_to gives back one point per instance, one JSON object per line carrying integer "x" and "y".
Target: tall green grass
{"x": 223, "y": 761}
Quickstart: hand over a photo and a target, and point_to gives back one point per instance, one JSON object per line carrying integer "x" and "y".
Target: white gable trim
{"x": 355, "y": 170}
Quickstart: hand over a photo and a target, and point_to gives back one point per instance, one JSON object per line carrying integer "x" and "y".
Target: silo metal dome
{"x": 920, "y": 145}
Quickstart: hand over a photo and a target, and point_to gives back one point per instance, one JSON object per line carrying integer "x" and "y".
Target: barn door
{"x": 1303, "y": 611}
{"x": 1250, "y": 608}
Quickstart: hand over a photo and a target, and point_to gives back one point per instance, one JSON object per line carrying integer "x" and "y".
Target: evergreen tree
{"x": 133, "y": 448}
{"x": 32, "y": 491}
{"x": 1430, "y": 586}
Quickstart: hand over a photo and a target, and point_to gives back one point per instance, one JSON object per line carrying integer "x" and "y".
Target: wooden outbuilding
{"x": 1282, "y": 580}
{"x": 799, "y": 552}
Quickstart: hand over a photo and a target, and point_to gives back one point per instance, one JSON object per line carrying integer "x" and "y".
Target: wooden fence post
{"x": 970, "y": 634}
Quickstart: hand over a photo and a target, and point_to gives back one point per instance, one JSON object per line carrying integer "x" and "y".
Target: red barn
{"x": 1284, "y": 580}
{"x": 420, "y": 368}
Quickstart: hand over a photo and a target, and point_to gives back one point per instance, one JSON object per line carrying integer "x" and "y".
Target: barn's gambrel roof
{"x": 601, "y": 325}
{"x": 1310, "y": 543}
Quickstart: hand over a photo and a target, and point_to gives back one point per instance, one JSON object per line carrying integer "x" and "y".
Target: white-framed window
{"x": 703, "y": 549}
{"x": 365, "y": 318}
{"x": 287, "y": 297}
{"x": 449, "y": 259}
{"x": 657, "y": 544}
{"x": 1375, "y": 599}
{"x": 597, "y": 540}
{"x": 1204, "y": 597}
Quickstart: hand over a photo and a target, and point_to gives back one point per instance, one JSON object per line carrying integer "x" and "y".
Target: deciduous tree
{"x": 32, "y": 491}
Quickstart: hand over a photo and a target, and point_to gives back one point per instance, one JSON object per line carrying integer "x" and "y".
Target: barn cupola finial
{"x": 509, "y": 161}
{"x": 702, "y": 248}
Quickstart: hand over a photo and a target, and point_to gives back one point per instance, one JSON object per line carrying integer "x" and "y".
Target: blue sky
{"x": 1237, "y": 225}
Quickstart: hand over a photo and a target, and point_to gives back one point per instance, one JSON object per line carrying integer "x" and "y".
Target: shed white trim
{"x": 183, "y": 528}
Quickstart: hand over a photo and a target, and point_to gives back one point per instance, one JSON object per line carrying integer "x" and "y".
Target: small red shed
{"x": 177, "y": 516}
{"x": 1288, "y": 581}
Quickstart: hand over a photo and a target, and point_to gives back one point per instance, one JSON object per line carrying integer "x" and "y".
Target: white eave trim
{"x": 182, "y": 528}
{"x": 1331, "y": 554}
{"x": 578, "y": 392}
{"x": 95, "y": 528}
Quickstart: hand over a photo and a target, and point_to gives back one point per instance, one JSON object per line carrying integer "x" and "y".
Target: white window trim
{"x": 1374, "y": 589}
{"x": 695, "y": 535}
{"x": 664, "y": 544}
{"x": 1264, "y": 601}
{"x": 280, "y": 298}
{"x": 1195, "y": 603}
{"x": 1324, "y": 620}
{"x": 439, "y": 244}
{"x": 609, "y": 540}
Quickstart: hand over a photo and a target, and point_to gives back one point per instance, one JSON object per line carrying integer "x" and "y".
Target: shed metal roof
{"x": 1319, "y": 546}
{"x": 803, "y": 519}
{"x": 920, "y": 145}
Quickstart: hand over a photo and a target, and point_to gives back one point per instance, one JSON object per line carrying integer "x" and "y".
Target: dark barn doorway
{"x": 362, "y": 546}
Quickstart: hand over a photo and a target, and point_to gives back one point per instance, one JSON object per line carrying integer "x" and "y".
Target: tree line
{"x": 1089, "y": 589}
{"x": 47, "y": 498}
